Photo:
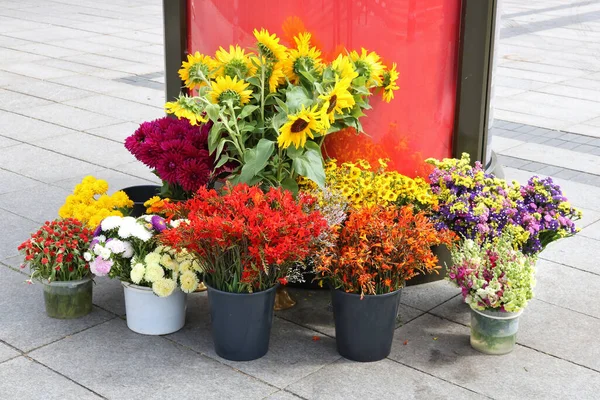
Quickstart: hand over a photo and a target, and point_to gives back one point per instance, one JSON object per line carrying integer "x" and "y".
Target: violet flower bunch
{"x": 177, "y": 152}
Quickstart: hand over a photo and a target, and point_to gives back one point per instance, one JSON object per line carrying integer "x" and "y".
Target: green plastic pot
{"x": 68, "y": 299}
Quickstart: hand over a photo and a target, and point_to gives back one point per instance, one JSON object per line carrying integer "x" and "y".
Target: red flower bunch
{"x": 379, "y": 248}
{"x": 245, "y": 238}
{"x": 178, "y": 153}
{"x": 55, "y": 251}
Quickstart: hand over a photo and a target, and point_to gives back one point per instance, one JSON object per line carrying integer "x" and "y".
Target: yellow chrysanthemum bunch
{"x": 90, "y": 204}
{"x": 363, "y": 186}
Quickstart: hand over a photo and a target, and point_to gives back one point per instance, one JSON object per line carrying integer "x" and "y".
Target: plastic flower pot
{"x": 445, "y": 259}
{"x": 139, "y": 195}
{"x": 364, "y": 329}
{"x": 241, "y": 323}
{"x": 494, "y": 332}
{"x": 150, "y": 314}
{"x": 68, "y": 299}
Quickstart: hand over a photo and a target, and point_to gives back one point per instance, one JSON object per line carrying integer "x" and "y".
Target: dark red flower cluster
{"x": 176, "y": 150}
{"x": 55, "y": 251}
{"x": 245, "y": 238}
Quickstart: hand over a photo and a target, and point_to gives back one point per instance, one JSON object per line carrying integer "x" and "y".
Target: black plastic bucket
{"x": 139, "y": 195}
{"x": 364, "y": 329}
{"x": 241, "y": 323}
{"x": 444, "y": 258}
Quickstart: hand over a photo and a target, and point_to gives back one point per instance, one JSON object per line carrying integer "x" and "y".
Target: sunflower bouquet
{"x": 272, "y": 106}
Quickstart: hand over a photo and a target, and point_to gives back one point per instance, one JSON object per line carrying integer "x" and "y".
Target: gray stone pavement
{"x": 77, "y": 77}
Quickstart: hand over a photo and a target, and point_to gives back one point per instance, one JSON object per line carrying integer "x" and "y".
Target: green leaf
{"x": 256, "y": 159}
{"x": 224, "y": 158}
{"x": 247, "y": 110}
{"x": 290, "y": 184}
{"x": 296, "y": 97}
{"x": 278, "y": 120}
{"x": 310, "y": 164}
{"x": 212, "y": 110}
{"x": 214, "y": 136}
{"x": 281, "y": 104}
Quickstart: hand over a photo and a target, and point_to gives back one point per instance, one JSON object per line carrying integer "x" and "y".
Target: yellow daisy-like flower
{"x": 338, "y": 98}
{"x": 226, "y": 88}
{"x": 344, "y": 68}
{"x": 196, "y": 70}
{"x": 368, "y": 65}
{"x": 389, "y": 83}
{"x": 302, "y": 59}
{"x": 164, "y": 287}
{"x": 233, "y": 63}
{"x": 268, "y": 45}
{"x": 188, "y": 281}
{"x": 274, "y": 74}
{"x": 181, "y": 109}
{"x": 301, "y": 125}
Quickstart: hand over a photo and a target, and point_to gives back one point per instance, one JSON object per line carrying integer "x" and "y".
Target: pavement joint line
{"x": 570, "y": 266}
{"x": 566, "y": 308}
{"x": 21, "y": 352}
{"x": 553, "y": 8}
{"x": 11, "y": 358}
{"x": 437, "y": 377}
{"x": 4, "y": 264}
{"x": 65, "y": 376}
{"x": 165, "y": 337}
{"x": 18, "y": 215}
{"x": 560, "y": 358}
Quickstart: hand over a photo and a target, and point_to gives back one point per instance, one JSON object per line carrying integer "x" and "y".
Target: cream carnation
{"x": 167, "y": 262}
{"x": 137, "y": 273}
{"x": 188, "y": 281}
{"x": 185, "y": 266}
{"x": 164, "y": 287}
{"x": 153, "y": 273}
{"x": 152, "y": 258}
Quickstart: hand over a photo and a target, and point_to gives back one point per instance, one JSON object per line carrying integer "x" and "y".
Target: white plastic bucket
{"x": 149, "y": 314}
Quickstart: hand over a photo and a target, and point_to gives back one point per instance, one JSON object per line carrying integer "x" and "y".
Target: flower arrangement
{"x": 378, "y": 248}
{"x": 177, "y": 152}
{"x": 493, "y": 276}
{"x": 128, "y": 249}
{"x": 90, "y": 203}
{"x": 364, "y": 186}
{"x": 245, "y": 238}
{"x": 271, "y": 107}
{"x": 55, "y": 251}
{"x": 157, "y": 205}
{"x": 481, "y": 206}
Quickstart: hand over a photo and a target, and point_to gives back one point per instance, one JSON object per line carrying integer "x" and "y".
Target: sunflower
{"x": 298, "y": 127}
{"x": 344, "y": 68}
{"x": 268, "y": 45}
{"x": 185, "y": 107}
{"x": 302, "y": 59}
{"x": 233, "y": 63}
{"x": 368, "y": 65}
{"x": 273, "y": 73}
{"x": 337, "y": 98}
{"x": 389, "y": 83}
{"x": 225, "y": 88}
{"x": 196, "y": 70}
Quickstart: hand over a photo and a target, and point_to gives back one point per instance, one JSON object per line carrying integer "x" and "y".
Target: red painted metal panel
{"x": 421, "y": 36}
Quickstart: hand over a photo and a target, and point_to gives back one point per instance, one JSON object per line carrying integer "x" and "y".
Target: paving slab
{"x": 429, "y": 295}
{"x": 578, "y": 252}
{"x": 293, "y": 354}
{"x": 7, "y": 352}
{"x": 108, "y": 295}
{"x": 49, "y": 90}
{"x": 12, "y": 182}
{"x": 127, "y": 365}
{"x": 24, "y": 323}
{"x": 384, "y": 379}
{"x": 531, "y": 374}
{"x": 39, "y": 203}
{"x": 117, "y": 132}
{"x": 118, "y": 108}
{"x": 21, "y": 378}
{"x": 591, "y": 231}
{"x": 282, "y": 395}
{"x": 15, "y": 230}
{"x": 116, "y": 180}
{"x": 26, "y": 129}
{"x": 70, "y": 117}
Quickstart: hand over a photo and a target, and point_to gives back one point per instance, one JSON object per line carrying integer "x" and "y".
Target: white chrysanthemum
{"x": 87, "y": 256}
{"x": 137, "y": 273}
{"x": 160, "y": 248}
{"x": 116, "y": 246}
{"x": 164, "y": 287}
{"x": 188, "y": 281}
{"x": 182, "y": 255}
{"x": 185, "y": 266}
{"x": 152, "y": 258}
{"x": 141, "y": 232}
{"x": 196, "y": 266}
{"x": 167, "y": 262}
{"x": 154, "y": 272}
{"x": 128, "y": 224}
{"x": 105, "y": 253}
{"x": 97, "y": 249}
{"x": 175, "y": 223}
{"x": 111, "y": 222}
{"x": 147, "y": 217}
{"x": 128, "y": 253}
{"x": 101, "y": 238}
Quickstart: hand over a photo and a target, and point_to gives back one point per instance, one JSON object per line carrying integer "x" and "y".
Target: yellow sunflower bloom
{"x": 273, "y": 73}
{"x": 302, "y": 59}
{"x": 268, "y": 45}
{"x": 226, "y": 88}
{"x": 338, "y": 98}
{"x": 301, "y": 125}
{"x": 181, "y": 109}
{"x": 196, "y": 70}
{"x": 233, "y": 63}
{"x": 389, "y": 83}
{"x": 368, "y": 65}
{"x": 344, "y": 68}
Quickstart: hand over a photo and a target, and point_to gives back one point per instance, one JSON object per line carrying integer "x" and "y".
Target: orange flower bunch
{"x": 379, "y": 248}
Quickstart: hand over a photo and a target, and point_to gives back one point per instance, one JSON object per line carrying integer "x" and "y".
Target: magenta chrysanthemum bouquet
{"x": 177, "y": 152}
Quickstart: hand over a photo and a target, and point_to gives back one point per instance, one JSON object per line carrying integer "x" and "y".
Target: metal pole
{"x": 175, "y": 25}
{"x": 478, "y": 25}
